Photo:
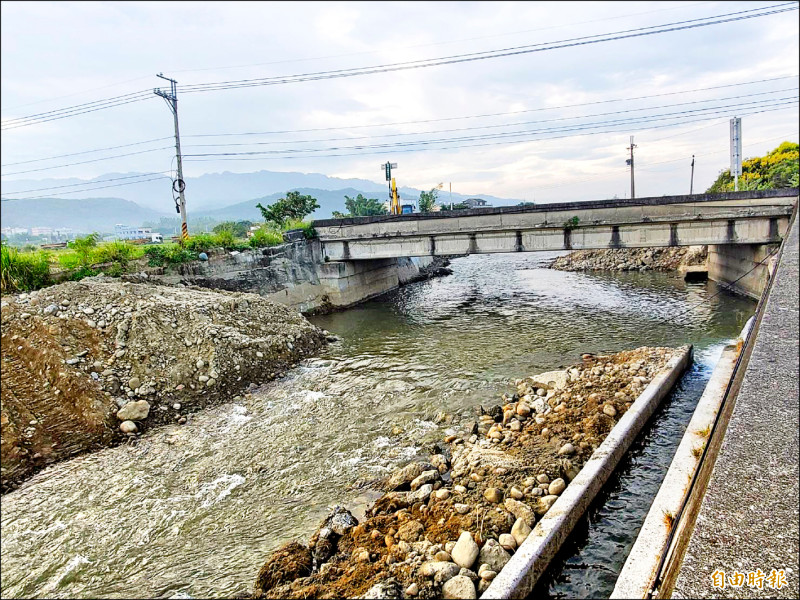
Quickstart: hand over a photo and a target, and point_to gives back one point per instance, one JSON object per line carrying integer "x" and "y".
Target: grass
{"x": 23, "y": 271}
{"x": 158, "y": 256}
{"x": 704, "y": 431}
{"x": 308, "y": 230}
{"x": 697, "y": 451}
{"x": 669, "y": 518}
{"x": 265, "y": 238}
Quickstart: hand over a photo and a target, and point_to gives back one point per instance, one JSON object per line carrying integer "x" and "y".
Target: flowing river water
{"x": 194, "y": 510}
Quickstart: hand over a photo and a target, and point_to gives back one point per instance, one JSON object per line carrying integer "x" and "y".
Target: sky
{"x": 560, "y": 119}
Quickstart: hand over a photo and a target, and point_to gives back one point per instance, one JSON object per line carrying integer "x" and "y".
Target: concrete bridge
{"x": 752, "y": 217}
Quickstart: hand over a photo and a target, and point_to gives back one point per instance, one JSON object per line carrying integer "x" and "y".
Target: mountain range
{"x": 221, "y": 196}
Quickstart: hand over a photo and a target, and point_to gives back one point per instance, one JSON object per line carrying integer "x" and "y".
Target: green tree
{"x": 84, "y": 247}
{"x": 236, "y": 228}
{"x": 363, "y": 207}
{"x": 427, "y": 200}
{"x": 778, "y": 169}
{"x": 295, "y": 206}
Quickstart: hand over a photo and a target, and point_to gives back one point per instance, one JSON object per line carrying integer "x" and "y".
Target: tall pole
{"x": 179, "y": 185}
{"x": 630, "y": 162}
{"x": 736, "y": 151}
{"x": 691, "y": 182}
{"x": 451, "y": 195}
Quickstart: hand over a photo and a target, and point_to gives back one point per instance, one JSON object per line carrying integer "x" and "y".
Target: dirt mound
{"x": 83, "y": 359}
{"x": 498, "y": 479}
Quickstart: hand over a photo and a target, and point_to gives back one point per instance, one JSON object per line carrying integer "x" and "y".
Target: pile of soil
{"x": 92, "y": 363}
{"x": 446, "y": 527}
{"x": 632, "y": 259}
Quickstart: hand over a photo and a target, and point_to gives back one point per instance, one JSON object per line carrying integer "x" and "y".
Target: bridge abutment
{"x": 742, "y": 264}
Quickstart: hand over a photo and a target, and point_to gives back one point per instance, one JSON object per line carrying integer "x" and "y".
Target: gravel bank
{"x": 446, "y": 527}
{"x": 632, "y": 259}
{"x": 92, "y": 363}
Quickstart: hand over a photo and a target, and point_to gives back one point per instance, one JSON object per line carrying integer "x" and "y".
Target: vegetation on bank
{"x": 777, "y": 170}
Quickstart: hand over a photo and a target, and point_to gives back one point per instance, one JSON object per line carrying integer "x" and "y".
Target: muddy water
{"x": 192, "y": 511}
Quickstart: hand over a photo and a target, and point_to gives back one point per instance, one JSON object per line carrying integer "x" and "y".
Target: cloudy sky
{"x": 558, "y": 122}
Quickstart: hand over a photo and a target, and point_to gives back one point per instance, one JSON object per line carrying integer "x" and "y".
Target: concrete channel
{"x": 519, "y": 576}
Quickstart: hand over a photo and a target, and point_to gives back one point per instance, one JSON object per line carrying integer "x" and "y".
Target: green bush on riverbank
{"x": 23, "y": 271}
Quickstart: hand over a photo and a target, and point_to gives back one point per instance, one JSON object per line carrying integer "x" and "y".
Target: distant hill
{"x": 215, "y": 191}
{"x": 84, "y": 215}
{"x": 329, "y": 201}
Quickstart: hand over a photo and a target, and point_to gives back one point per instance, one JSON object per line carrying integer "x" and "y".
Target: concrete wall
{"x": 296, "y": 274}
{"x": 730, "y": 262}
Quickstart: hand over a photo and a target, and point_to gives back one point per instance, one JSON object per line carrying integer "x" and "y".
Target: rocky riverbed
{"x": 632, "y": 259}
{"x": 93, "y": 363}
{"x": 445, "y": 527}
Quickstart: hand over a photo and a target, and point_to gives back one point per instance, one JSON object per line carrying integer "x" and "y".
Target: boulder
{"x": 465, "y": 551}
{"x": 494, "y": 555}
{"x": 520, "y": 531}
{"x": 459, "y": 587}
{"x": 521, "y": 511}
{"x": 134, "y": 411}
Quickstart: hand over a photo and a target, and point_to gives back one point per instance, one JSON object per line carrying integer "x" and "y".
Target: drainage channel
{"x": 589, "y": 562}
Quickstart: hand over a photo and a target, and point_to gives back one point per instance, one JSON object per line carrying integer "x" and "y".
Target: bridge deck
{"x": 749, "y": 516}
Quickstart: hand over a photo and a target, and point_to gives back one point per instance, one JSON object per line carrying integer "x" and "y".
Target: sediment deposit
{"x": 92, "y": 363}
{"x": 446, "y": 527}
{"x": 632, "y": 259}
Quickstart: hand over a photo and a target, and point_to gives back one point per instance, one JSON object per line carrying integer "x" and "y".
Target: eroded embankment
{"x": 446, "y": 527}
{"x": 88, "y": 364}
{"x": 632, "y": 259}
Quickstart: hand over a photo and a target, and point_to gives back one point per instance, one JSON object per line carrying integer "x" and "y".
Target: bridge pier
{"x": 729, "y": 262}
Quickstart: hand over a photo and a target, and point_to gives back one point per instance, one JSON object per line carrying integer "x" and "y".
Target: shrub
{"x": 308, "y": 230}
{"x": 158, "y": 256}
{"x": 263, "y": 238}
{"x": 120, "y": 252}
{"x": 84, "y": 247}
{"x": 23, "y": 271}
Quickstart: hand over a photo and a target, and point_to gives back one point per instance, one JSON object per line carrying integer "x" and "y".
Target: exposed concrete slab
{"x": 749, "y": 516}
{"x": 520, "y": 574}
{"x": 637, "y": 575}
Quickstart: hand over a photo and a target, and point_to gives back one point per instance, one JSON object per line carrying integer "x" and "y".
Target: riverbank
{"x": 94, "y": 363}
{"x": 446, "y": 527}
{"x": 632, "y": 259}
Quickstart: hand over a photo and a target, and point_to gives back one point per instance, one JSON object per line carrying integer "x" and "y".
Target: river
{"x": 194, "y": 510}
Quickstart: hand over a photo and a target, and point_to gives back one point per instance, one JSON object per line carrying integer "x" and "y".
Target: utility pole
{"x": 179, "y": 185}
{"x": 691, "y": 182}
{"x": 630, "y": 162}
{"x": 451, "y": 195}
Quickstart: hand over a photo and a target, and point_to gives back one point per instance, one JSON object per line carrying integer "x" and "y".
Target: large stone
{"x": 493, "y": 494}
{"x": 134, "y": 383}
{"x": 410, "y": 531}
{"x": 128, "y": 427}
{"x": 544, "y": 503}
{"x": 465, "y": 551}
{"x": 421, "y": 495}
{"x": 556, "y": 487}
{"x": 405, "y": 475}
{"x": 493, "y": 555}
{"x": 507, "y": 541}
{"x": 423, "y": 478}
{"x": 134, "y": 411}
{"x": 521, "y": 511}
{"x": 459, "y": 587}
{"x": 388, "y": 588}
{"x": 520, "y": 531}
{"x": 441, "y": 571}
{"x": 340, "y": 521}
{"x": 551, "y": 379}
{"x": 566, "y": 450}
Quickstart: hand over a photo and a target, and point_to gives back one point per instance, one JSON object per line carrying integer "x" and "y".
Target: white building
{"x": 129, "y": 232}
{"x": 35, "y": 231}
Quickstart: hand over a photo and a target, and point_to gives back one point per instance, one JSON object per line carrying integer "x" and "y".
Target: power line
{"x": 501, "y": 114}
{"x": 576, "y": 127}
{"x": 516, "y": 141}
{"x": 86, "y": 162}
{"x": 389, "y": 135}
{"x": 95, "y": 188}
{"x": 74, "y": 111}
{"x": 58, "y": 187}
{"x": 25, "y": 162}
{"x": 503, "y": 52}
